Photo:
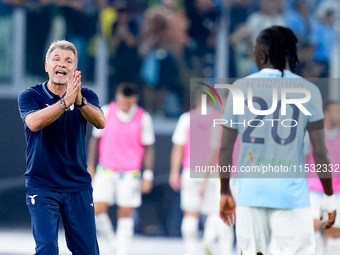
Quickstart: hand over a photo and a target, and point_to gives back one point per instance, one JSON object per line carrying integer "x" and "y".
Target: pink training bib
{"x": 120, "y": 146}
{"x": 197, "y": 146}
{"x": 333, "y": 147}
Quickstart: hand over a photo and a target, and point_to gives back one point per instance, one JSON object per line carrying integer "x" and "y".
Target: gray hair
{"x": 64, "y": 45}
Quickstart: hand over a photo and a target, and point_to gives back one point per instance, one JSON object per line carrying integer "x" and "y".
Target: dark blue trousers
{"x": 77, "y": 212}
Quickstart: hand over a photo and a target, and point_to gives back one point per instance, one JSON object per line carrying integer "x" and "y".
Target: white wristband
{"x": 148, "y": 175}
{"x": 328, "y": 204}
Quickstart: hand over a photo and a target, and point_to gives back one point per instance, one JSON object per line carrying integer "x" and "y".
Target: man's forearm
{"x": 36, "y": 121}
{"x": 93, "y": 115}
{"x": 320, "y": 154}
{"x": 226, "y": 157}
{"x": 176, "y": 158}
{"x": 93, "y": 153}
{"x": 325, "y": 177}
{"x": 149, "y": 157}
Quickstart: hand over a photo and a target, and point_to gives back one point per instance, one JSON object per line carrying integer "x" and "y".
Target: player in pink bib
{"x": 330, "y": 244}
{"x": 126, "y": 152}
{"x": 123, "y": 147}
{"x": 195, "y": 144}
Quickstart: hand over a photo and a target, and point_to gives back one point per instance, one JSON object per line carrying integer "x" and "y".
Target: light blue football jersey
{"x": 273, "y": 140}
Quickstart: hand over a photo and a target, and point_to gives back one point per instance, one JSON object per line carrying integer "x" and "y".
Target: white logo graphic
{"x": 91, "y": 204}
{"x": 47, "y": 105}
{"x": 32, "y": 199}
{"x": 238, "y": 100}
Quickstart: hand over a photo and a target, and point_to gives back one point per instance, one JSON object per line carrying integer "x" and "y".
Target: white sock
{"x": 332, "y": 246}
{"x": 211, "y": 229}
{"x": 124, "y": 234}
{"x": 104, "y": 228}
{"x": 225, "y": 238}
{"x": 189, "y": 233}
{"x": 319, "y": 243}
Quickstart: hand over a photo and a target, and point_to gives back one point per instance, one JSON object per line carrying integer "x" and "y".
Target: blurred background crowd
{"x": 161, "y": 44}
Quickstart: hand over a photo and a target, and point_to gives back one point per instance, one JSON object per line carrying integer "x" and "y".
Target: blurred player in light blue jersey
{"x": 273, "y": 214}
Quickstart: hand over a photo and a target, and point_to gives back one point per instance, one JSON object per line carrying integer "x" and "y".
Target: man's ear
{"x": 263, "y": 58}
{"x": 46, "y": 67}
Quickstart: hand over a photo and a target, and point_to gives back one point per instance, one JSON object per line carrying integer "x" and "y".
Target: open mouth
{"x": 61, "y": 73}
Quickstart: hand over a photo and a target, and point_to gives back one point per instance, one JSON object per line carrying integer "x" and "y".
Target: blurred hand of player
{"x": 331, "y": 220}
{"x": 73, "y": 89}
{"x": 227, "y": 209}
{"x": 146, "y": 186}
{"x": 328, "y": 205}
{"x": 175, "y": 181}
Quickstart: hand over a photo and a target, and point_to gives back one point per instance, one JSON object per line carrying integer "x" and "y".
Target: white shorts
{"x": 274, "y": 231}
{"x": 315, "y": 203}
{"x": 121, "y": 188}
{"x": 191, "y": 201}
